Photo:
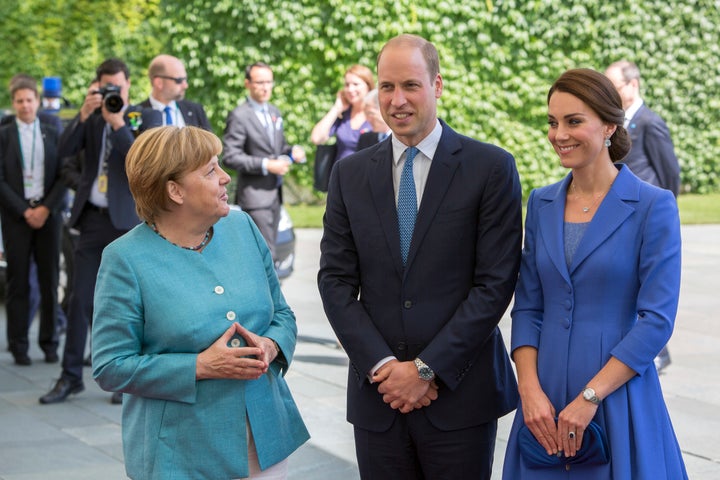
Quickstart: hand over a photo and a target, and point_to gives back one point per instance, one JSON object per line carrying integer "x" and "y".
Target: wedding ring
{"x": 571, "y": 435}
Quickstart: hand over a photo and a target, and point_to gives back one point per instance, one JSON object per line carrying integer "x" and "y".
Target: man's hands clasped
{"x": 402, "y": 388}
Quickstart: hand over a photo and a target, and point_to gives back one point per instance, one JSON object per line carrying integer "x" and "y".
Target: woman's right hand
{"x": 539, "y": 414}
{"x": 221, "y": 361}
{"x": 340, "y": 103}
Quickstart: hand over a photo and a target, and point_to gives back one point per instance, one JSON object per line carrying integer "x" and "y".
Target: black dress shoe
{"x": 62, "y": 389}
{"x": 51, "y": 357}
{"x": 22, "y": 359}
{"x": 116, "y": 398}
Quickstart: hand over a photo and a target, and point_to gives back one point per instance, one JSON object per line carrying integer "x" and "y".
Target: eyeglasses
{"x": 177, "y": 80}
{"x": 263, "y": 83}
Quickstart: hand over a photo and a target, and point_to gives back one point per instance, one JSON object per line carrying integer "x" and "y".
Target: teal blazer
{"x": 156, "y": 307}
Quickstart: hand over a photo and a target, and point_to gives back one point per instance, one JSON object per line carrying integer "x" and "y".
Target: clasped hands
{"x": 402, "y": 388}
{"x": 240, "y": 363}
{"x": 37, "y": 216}
{"x": 539, "y": 415}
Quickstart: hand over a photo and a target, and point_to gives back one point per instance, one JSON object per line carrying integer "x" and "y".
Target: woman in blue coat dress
{"x": 191, "y": 326}
{"x": 596, "y": 300}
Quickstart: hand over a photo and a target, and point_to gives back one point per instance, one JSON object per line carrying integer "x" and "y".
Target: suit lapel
{"x": 380, "y": 179}
{"x": 442, "y": 169}
{"x": 612, "y": 212}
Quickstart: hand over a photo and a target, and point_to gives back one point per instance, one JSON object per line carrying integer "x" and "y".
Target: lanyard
{"x": 32, "y": 154}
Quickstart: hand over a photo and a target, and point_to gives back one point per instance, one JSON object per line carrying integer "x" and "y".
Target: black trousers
{"x": 96, "y": 232}
{"x": 21, "y": 243}
{"x": 413, "y": 449}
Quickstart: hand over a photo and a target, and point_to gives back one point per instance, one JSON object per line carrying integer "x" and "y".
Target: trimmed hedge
{"x": 498, "y": 59}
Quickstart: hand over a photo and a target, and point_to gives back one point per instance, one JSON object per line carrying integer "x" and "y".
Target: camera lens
{"x": 113, "y": 102}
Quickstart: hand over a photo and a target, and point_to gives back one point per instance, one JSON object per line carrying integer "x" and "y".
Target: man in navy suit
{"x": 254, "y": 144}
{"x": 103, "y": 208}
{"x": 31, "y": 198}
{"x": 168, "y": 79}
{"x": 417, "y": 315}
{"x": 652, "y": 156}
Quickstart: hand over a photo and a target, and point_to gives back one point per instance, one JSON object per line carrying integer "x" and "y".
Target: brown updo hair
{"x": 597, "y": 92}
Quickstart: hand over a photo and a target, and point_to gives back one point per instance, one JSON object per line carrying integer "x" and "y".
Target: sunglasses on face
{"x": 177, "y": 80}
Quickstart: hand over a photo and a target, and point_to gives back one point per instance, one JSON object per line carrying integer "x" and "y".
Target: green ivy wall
{"x": 498, "y": 59}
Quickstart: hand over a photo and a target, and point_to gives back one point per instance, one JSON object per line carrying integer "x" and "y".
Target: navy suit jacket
{"x": 445, "y": 305}
{"x": 12, "y": 190}
{"x": 652, "y": 157}
{"x": 86, "y": 137}
{"x": 193, "y": 113}
{"x": 245, "y": 144}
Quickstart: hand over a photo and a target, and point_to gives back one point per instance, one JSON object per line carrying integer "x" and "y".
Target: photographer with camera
{"x": 103, "y": 208}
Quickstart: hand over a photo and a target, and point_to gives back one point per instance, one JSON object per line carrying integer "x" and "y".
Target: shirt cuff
{"x": 377, "y": 366}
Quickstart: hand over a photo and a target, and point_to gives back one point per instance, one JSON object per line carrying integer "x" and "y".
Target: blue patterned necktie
{"x": 168, "y": 115}
{"x": 407, "y": 203}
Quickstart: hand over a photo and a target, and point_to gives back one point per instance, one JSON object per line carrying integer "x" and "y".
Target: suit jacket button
{"x": 219, "y": 290}
{"x": 407, "y": 304}
{"x": 230, "y": 315}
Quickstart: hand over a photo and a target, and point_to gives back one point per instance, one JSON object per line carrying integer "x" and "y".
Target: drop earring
{"x": 608, "y": 142}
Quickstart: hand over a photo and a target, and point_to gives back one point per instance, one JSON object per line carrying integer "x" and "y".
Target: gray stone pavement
{"x": 81, "y": 439}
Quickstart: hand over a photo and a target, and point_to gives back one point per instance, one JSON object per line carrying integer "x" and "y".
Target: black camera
{"x": 111, "y": 97}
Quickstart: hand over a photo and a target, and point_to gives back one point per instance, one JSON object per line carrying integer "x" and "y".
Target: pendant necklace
{"x": 577, "y": 196}
{"x": 208, "y": 234}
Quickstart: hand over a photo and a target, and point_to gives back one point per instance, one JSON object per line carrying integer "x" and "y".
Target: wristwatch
{"x": 589, "y": 395}
{"x": 424, "y": 372}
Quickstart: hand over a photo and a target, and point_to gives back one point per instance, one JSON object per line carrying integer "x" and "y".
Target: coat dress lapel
{"x": 611, "y": 213}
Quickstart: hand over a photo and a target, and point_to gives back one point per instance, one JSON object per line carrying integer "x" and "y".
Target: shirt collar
{"x": 25, "y": 126}
{"x": 258, "y": 107}
{"x": 427, "y": 145}
{"x": 633, "y": 109}
{"x": 158, "y": 105}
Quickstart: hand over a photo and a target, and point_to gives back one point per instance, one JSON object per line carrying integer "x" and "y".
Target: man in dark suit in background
{"x": 380, "y": 130}
{"x": 31, "y": 198}
{"x": 103, "y": 208}
{"x": 169, "y": 82}
{"x": 417, "y": 267}
{"x": 254, "y": 144}
{"x": 652, "y": 157}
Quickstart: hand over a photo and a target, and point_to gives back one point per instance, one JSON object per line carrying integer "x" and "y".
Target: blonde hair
{"x": 163, "y": 154}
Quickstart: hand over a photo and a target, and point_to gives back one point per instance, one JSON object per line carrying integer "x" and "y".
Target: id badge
{"x": 102, "y": 183}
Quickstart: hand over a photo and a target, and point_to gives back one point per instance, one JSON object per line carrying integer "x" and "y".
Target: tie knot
{"x": 411, "y": 152}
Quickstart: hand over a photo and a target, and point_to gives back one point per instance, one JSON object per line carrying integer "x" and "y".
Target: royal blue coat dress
{"x": 156, "y": 307}
{"x": 617, "y": 298}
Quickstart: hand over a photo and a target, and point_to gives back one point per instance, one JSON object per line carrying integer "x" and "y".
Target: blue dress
{"x": 618, "y": 297}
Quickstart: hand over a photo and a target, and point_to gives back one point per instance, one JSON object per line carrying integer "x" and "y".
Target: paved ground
{"x": 80, "y": 439}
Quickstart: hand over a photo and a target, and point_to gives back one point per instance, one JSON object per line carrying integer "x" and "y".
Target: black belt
{"x": 34, "y": 202}
{"x": 95, "y": 208}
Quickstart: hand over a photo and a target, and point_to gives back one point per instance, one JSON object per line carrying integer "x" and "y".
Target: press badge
{"x": 102, "y": 183}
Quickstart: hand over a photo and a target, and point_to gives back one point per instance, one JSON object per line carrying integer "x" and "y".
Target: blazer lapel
{"x": 611, "y": 213}
{"x": 442, "y": 169}
{"x": 380, "y": 179}
{"x": 551, "y": 223}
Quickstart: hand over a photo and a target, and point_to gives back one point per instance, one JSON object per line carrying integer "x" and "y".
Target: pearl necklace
{"x": 200, "y": 246}
{"x": 586, "y": 209}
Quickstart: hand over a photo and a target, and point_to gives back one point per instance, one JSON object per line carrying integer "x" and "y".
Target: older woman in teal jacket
{"x": 190, "y": 324}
